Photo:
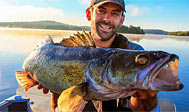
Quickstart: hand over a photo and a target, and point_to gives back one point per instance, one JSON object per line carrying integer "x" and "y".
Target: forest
{"x": 131, "y": 29}
{"x": 53, "y": 25}
{"x": 179, "y": 33}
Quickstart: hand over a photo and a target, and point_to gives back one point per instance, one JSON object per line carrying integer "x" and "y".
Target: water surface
{"x": 16, "y": 44}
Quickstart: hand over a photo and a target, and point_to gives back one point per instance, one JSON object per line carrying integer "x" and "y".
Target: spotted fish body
{"x": 81, "y": 73}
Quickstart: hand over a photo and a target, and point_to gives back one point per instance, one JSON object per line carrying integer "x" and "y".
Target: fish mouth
{"x": 165, "y": 76}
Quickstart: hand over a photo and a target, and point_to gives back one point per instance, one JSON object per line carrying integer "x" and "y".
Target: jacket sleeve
{"x": 134, "y": 46}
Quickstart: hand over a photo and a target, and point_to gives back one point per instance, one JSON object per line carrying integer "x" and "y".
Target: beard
{"x": 105, "y": 30}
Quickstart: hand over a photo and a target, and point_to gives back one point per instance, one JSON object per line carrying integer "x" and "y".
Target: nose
{"x": 107, "y": 17}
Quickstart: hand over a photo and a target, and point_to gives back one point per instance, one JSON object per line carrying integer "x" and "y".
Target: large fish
{"x": 82, "y": 74}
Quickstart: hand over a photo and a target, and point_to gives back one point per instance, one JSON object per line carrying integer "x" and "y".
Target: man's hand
{"x": 45, "y": 90}
{"x": 54, "y": 97}
{"x": 144, "y": 100}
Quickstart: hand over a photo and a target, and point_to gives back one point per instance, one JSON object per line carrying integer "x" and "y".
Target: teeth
{"x": 172, "y": 68}
{"x": 105, "y": 26}
{"x": 175, "y": 73}
{"x": 178, "y": 82}
{"x": 166, "y": 66}
{"x": 176, "y": 62}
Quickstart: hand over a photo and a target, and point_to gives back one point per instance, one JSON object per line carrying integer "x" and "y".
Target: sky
{"x": 168, "y": 15}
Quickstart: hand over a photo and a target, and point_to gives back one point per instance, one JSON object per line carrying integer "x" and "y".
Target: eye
{"x": 101, "y": 11}
{"x": 116, "y": 13}
{"x": 141, "y": 59}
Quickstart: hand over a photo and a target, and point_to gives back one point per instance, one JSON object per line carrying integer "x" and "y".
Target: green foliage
{"x": 43, "y": 25}
{"x": 131, "y": 29}
{"x": 179, "y": 33}
{"x": 61, "y": 26}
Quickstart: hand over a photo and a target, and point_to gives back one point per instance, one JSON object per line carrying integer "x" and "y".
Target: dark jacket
{"x": 122, "y": 42}
{"x": 119, "y": 42}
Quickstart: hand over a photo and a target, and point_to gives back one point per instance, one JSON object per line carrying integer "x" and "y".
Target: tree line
{"x": 53, "y": 25}
{"x": 179, "y": 33}
{"x": 61, "y": 26}
{"x": 131, "y": 29}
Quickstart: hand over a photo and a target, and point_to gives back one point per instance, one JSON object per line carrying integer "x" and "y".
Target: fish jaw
{"x": 163, "y": 75}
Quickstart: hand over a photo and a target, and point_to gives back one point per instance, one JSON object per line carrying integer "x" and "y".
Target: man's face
{"x": 105, "y": 20}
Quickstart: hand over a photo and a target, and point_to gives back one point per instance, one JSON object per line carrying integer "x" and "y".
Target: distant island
{"x": 53, "y": 25}
{"x": 43, "y": 25}
{"x": 162, "y": 32}
{"x": 155, "y": 31}
{"x": 179, "y": 33}
{"x": 61, "y": 26}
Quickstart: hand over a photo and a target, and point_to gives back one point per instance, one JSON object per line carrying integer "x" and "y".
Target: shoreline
{"x": 61, "y": 33}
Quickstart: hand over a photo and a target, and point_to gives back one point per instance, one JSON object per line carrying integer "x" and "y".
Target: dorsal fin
{"x": 89, "y": 38}
{"x": 83, "y": 40}
{"x": 47, "y": 40}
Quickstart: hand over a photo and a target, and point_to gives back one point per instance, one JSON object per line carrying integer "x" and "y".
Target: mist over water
{"x": 16, "y": 44}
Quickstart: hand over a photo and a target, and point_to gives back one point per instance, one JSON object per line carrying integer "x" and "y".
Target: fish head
{"x": 156, "y": 70}
{"x": 164, "y": 74}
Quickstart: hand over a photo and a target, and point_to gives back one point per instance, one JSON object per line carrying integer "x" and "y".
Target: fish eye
{"x": 141, "y": 59}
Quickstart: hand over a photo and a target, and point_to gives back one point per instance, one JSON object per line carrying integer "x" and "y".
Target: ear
{"x": 88, "y": 14}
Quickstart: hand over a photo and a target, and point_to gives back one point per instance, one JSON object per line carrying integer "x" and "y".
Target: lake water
{"x": 16, "y": 44}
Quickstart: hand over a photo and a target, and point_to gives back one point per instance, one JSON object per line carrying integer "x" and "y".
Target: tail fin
{"x": 25, "y": 79}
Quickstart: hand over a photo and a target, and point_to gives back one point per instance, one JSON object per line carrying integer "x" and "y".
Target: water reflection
{"x": 25, "y": 40}
{"x": 133, "y": 37}
{"x": 16, "y": 44}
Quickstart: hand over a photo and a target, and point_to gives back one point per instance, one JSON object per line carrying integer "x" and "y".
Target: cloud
{"x": 133, "y": 10}
{"x": 29, "y": 13}
{"x": 85, "y": 2}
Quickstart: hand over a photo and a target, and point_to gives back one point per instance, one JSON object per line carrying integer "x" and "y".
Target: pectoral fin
{"x": 117, "y": 102}
{"x": 25, "y": 79}
{"x": 71, "y": 100}
{"x": 98, "y": 105}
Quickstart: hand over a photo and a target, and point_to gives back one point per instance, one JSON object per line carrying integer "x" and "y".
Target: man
{"x": 106, "y": 17}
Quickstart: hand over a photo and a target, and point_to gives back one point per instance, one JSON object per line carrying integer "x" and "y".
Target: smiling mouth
{"x": 105, "y": 28}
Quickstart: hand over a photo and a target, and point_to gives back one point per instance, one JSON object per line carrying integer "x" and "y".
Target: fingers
{"x": 45, "y": 90}
{"x": 39, "y": 86}
{"x": 143, "y": 105}
{"x": 143, "y": 100}
{"x": 140, "y": 94}
{"x": 152, "y": 92}
{"x": 144, "y": 94}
